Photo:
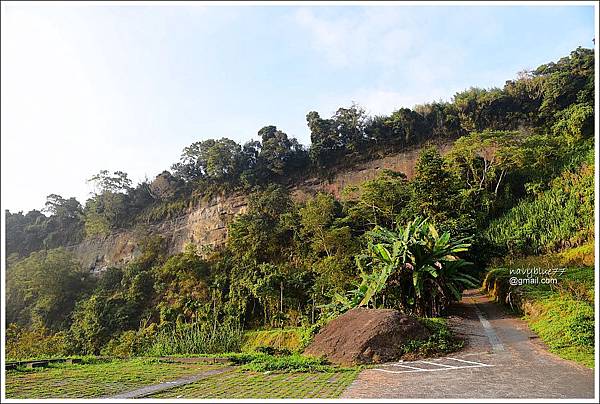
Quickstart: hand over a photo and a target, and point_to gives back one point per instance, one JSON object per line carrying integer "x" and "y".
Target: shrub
{"x": 130, "y": 343}
{"x": 262, "y": 362}
{"x": 23, "y": 343}
{"x": 441, "y": 340}
{"x": 414, "y": 269}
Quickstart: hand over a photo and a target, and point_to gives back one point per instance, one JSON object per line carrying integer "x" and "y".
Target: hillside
{"x": 205, "y": 224}
{"x": 402, "y": 211}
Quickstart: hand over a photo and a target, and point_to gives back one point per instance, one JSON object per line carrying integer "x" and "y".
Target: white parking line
{"x": 405, "y": 366}
{"x": 442, "y": 367}
{"x": 437, "y": 364}
{"x": 476, "y": 363}
{"x": 430, "y": 370}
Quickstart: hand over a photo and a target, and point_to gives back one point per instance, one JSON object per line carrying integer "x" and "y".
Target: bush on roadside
{"x": 262, "y": 362}
{"x": 131, "y": 343}
{"x": 441, "y": 341}
{"x": 35, "y": 342}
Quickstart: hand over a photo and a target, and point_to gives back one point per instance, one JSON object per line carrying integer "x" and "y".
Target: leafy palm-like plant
{"x": 413, "y": 268}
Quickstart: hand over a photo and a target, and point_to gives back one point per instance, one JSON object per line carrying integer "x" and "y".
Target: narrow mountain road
{"x": 502, "y": 358}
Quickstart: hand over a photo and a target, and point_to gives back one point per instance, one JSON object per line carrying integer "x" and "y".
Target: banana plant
{"x": 416, "y": 267}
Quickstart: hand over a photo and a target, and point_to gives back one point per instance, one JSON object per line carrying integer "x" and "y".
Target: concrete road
{"x": 502, "y": 358}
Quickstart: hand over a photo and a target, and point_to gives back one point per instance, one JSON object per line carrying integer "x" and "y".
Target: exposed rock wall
{"x": 404, "y": 161}
{"x": 206, "y": 224}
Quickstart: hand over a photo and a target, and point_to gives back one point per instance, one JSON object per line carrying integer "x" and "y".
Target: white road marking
{"x": 438, "y": 364}
{"x": 405, "y": 366}
{"x": 442, "y": 367}
{"x": 476, "y": 363}
{"x": 489, "y": 330}
{"x": 431, "y": 370}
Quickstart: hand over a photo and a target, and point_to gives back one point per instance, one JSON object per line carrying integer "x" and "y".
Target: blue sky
{"x": 86, "y": 88}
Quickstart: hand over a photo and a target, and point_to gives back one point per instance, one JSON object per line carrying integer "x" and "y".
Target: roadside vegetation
{"x": 561, "y": 313}
{"x": 557, "y": 224}
{"x": 517, "y": 182}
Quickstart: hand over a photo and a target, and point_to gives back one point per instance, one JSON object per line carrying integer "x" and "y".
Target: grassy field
{"x": 102, "y": 378}
{"x": 242, "y": 384}
{"x": 94, "y": 379}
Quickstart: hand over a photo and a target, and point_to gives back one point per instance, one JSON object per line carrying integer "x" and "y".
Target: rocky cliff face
{"x": 206, "y": 224}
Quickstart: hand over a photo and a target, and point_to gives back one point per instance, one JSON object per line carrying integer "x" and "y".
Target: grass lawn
{"x": 245, "y": 384}
{"x": 94, "y": 379}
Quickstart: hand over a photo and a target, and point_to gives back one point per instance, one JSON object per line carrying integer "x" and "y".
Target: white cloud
{"x": 374, "y": 35}
{"x": 381, "y": 102}
{"x": 408, "y": 64}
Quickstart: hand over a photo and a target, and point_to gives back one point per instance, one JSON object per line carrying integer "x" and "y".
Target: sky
{"x": 127, "y": 87}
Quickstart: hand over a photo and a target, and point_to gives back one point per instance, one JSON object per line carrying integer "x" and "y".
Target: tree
{"x": 407, "y": 126}
{"x": 278, "y": 155}
{"x": 413, "y": 268}
{"x": 316, "y": 217}
{"x": 43, "y": 288}
{"x": 106, "y": 212}
{"x": 440, "y": 119}
{"x": 96, "y": 320}
{"x": 566, "y": 82}
{"x": 324, "y": 144}
{"x": 217, "y": 160}
{"x": 263, "y": 234}
{"x": 380, "y": 200}
{"x": 165, "y": 187}
{"x": 223, "y": 160}
{"x": 433, "y": 186}
{"x": 574, "y": 123}
{"x": 350, "y": 124}
{"x": 114, "y": 202}
{"x": 63, "y": 208}
{"x": 484, "y": 158}
{"x": 105, "y": 182}
{"x": 342, "y": 135}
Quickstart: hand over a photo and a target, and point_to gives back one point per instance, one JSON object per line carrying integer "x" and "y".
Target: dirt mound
{"x": 366, "y": 336}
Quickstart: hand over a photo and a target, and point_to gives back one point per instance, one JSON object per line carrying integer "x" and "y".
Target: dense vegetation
{"x": 518, "y": 180}
{"x": 557, "y": 218}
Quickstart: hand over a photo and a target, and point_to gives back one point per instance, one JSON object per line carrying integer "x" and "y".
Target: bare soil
{"x": 362, "y": 336}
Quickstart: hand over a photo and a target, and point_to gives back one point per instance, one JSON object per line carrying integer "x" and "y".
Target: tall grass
{"x": 289, "y": 339}
{"x": 197, "y": 338}
{"x": 561, "y": 217}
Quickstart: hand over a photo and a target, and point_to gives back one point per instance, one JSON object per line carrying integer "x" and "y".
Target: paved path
{"x": 502, "y": 358}
{"x": 147, "y": 390}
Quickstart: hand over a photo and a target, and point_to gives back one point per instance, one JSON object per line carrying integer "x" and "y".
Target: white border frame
{"x": 340, "y": 4}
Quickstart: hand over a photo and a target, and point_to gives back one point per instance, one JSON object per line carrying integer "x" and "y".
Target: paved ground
{"x": 155, "y": 388}
{"x": 502, "y": 359}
